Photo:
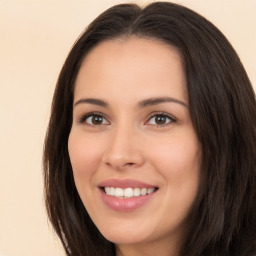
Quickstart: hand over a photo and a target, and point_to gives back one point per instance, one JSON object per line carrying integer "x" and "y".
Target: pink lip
{"x": 125, "y": 204}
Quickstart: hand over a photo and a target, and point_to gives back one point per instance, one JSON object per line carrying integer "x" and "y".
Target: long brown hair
{"x": 223, "y": 111}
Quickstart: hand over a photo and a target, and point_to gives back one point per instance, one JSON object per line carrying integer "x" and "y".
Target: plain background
{"x": 35, "y": 38}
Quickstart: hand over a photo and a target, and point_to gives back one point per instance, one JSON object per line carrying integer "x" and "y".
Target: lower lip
{"x": 125, "y": 204}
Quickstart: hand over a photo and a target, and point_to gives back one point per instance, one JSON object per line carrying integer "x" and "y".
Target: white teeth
{"x": 150, "y": 190}
{"x": 119, "y": 192}
{"x": 107, "y": 190}
{"x": 112, "y": 192}
{"x": 143, "y": 191}
{"x": 136, "y": 192}
{"x": 128, "y": 192}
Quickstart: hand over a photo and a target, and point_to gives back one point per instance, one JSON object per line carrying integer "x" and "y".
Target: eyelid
{"x": 82, "y": 118}
{"x": 171, "y": 117}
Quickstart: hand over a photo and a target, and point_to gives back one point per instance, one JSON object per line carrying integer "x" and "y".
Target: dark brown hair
{"x": 223, "y": 111}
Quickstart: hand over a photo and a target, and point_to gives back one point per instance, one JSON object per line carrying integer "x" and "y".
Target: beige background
{"x": 35, "y": 37}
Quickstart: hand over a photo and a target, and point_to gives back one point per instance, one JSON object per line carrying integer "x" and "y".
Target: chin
{"x": 124, "y": 236}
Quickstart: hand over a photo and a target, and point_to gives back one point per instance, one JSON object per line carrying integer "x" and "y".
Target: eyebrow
{"x": 92, "y": 101}
{"x": 156, "y": 101}
{"x": 141, "y": 104}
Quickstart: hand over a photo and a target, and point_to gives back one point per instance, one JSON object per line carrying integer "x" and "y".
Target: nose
{"x": 124, "y": 150}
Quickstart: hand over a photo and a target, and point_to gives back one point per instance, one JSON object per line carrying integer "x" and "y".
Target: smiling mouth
{"x": 123, "y": 193}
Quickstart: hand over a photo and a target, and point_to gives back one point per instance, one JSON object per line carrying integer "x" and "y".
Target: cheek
{"x": 177, "y": 154}
{"x": 179, "y": 162}
{"x": 84, "y": 156}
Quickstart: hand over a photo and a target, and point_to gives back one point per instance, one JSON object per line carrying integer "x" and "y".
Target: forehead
{"x": 126, "y": 65}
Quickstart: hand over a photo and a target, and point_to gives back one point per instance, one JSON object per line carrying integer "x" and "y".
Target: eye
{"x": 160, "y": 119}
{"x": 94, "y": 119}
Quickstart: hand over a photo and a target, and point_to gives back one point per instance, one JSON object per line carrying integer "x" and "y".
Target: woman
{"x": 151, "y": 145}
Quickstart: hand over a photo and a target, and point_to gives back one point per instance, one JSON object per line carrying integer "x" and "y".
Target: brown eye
{"x": 160, "y": 119}
{"x": 94, "y": 119}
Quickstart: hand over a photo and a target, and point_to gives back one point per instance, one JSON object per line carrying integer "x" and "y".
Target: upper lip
{"x": 126, "y": 183}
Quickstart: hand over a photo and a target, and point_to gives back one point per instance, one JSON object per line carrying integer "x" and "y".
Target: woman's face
{"x": 134, "y": 152}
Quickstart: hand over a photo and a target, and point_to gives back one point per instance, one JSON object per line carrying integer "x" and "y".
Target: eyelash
{"x": 84, "y": 118}
{"x": 162, "y": 114}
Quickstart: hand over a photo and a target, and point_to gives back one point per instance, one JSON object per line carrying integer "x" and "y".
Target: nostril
{"x": 129, "y": 164}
